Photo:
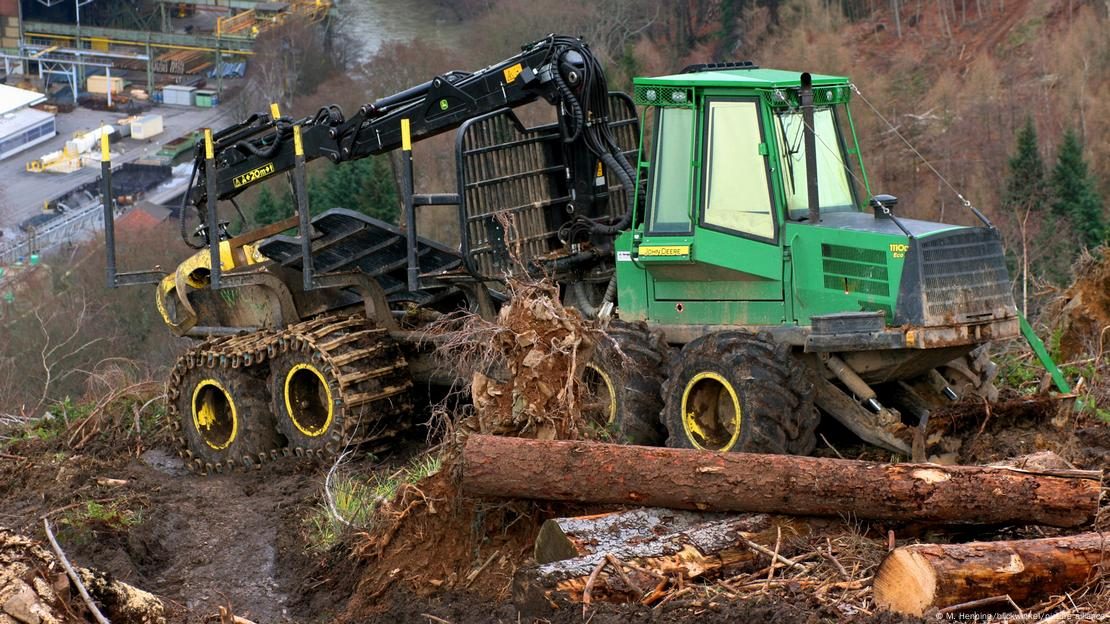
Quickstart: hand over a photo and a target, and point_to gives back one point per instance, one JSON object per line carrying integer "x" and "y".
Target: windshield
{"x": 834, "y": 188}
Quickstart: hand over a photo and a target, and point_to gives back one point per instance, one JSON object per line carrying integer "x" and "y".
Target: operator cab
{"x": 725, "y": 235}
{"x": 726, "y": 172}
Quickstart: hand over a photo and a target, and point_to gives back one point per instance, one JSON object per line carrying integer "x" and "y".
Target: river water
{"x": 370, "y": 23}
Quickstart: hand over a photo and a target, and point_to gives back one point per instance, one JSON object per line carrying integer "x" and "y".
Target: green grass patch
{"x": 354, "y": 501}
{"x": 85, "y": 522}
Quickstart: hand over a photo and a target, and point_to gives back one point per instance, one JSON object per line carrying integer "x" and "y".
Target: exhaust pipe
{"x": 811, "y": 147}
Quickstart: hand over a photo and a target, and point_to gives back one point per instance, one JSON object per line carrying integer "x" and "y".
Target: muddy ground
{"x": 239, "y": 540}
{"x": 199, "y": 541}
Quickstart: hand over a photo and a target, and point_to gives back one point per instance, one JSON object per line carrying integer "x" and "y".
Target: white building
{"x": 20, "y": 125}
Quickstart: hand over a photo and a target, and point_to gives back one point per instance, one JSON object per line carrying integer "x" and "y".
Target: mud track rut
{"x": 220, "y": 539}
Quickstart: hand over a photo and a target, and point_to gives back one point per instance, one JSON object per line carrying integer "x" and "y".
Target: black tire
{"x": 224, "y": 417}
{"x": 740, "y": 391}
{"x": 325, "y": 397}
{"x": 622, "y": 384}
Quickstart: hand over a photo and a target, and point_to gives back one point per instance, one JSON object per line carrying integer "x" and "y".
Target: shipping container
{"x": 146, "y": 126}
{"x": 178, "y": 95}
{"x": 205, "y": 98}
{"x": 100, "y": 84}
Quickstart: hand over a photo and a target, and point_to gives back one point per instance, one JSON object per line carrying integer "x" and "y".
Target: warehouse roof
{"x": 12, "y": 123}
{"x": 13, "y": 98}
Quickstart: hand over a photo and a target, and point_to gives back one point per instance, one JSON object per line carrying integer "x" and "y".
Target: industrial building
{"x": 20, "y": 125}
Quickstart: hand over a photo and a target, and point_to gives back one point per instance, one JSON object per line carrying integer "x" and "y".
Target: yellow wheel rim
{"x": 215, "y": 416}
{"x": 607, "y": 383}
{"x": 711, "y": 413}
{"x": 308, "y": 400}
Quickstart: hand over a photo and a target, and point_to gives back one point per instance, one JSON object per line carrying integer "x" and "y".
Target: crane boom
{"x": 560, "y": 69}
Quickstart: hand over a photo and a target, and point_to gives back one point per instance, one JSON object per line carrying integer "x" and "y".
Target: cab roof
{"x": 753, "y": 77}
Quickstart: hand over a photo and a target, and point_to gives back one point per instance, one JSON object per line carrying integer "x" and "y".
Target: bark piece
{"x": 914, "y": 579}
{"x": 578, "y": 471}
{"x": 696, "y": 552}
{"x": 23, "y": 605}
{"x": 567, "y": 538}
{"x": 121, "y": 602}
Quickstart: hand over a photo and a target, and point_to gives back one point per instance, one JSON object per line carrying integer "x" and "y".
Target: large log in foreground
{"x": 914, "y": 579}
{"x": 499, "y": 467}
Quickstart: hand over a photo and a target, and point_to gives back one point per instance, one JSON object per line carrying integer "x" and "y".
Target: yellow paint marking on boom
{"x": 252, "y": 175}
{"x": 406, "y": 137}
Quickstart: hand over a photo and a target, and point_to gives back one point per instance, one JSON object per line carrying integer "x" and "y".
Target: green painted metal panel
{"x": 695, "y": 281}
{"x": 837, "y": 270}
{"x": 717, "y": 312}
{"x": 631, "y": 281}
{"x": 732, "y": 251}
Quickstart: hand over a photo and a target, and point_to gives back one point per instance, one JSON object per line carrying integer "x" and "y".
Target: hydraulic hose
{"x": 185, "y": 205}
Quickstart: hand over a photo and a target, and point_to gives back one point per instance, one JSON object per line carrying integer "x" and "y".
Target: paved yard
{"x": 22, "y": 193}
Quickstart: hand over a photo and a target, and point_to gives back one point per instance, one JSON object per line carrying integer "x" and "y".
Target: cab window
{"x": 833, "y": 189}
{"x": 737, "y": 193}
{"x": 669, "y": 211}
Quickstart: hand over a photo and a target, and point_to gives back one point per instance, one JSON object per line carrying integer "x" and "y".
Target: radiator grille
{"x": 965, "y": 275}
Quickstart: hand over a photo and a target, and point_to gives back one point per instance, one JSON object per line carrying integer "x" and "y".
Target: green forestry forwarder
{"x": 749, "y": 279}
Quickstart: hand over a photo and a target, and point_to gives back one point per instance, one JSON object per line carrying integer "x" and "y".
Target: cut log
{"x": 567, "y": 538}
{"x": 593, "y": 472}
{"x": 914, "y": 579}
{"x": 629, "y": 571}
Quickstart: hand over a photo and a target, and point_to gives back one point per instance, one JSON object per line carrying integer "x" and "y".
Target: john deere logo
{"x": 253, "y": 175}
{"x": 443, "y": 105}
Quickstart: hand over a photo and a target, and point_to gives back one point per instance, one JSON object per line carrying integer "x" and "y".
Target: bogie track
{"x": 230, "y": 398}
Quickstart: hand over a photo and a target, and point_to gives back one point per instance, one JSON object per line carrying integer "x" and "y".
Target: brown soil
{"x": 238, "y": 539}
{"x": 201, "y": 542}
{"x": 1084, "y": 310}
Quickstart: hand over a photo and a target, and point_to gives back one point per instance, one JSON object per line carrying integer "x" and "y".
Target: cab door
{"x": 732, "y": 266}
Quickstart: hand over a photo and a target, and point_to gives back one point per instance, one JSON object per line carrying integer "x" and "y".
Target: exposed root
{"x": 524, "y": 367}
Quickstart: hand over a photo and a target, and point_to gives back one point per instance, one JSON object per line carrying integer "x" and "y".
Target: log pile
{"x": 641, "y": 566}
{"x": 181, "y": 62}
{"x": 651, "y": 555}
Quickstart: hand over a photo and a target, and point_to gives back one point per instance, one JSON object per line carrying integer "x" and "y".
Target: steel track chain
{"x": 347, "y": 343}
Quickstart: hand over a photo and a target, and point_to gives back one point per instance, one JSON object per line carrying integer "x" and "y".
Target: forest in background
{"x": 1001, "y": 102}
{"x": 1006, "y": 99}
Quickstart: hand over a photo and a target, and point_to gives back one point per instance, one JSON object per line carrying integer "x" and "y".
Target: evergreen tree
{"x": 1075, "y": 197}
{"x": 365, "y": 186}
{"x": 268, "y": 209}
{"x": 378, "y": 191}
{"x": 1042, "y": 252}
{"x": 1026, "y": 188}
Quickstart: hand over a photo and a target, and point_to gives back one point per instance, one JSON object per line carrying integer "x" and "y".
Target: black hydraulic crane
{"x": 560, "y": 69}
